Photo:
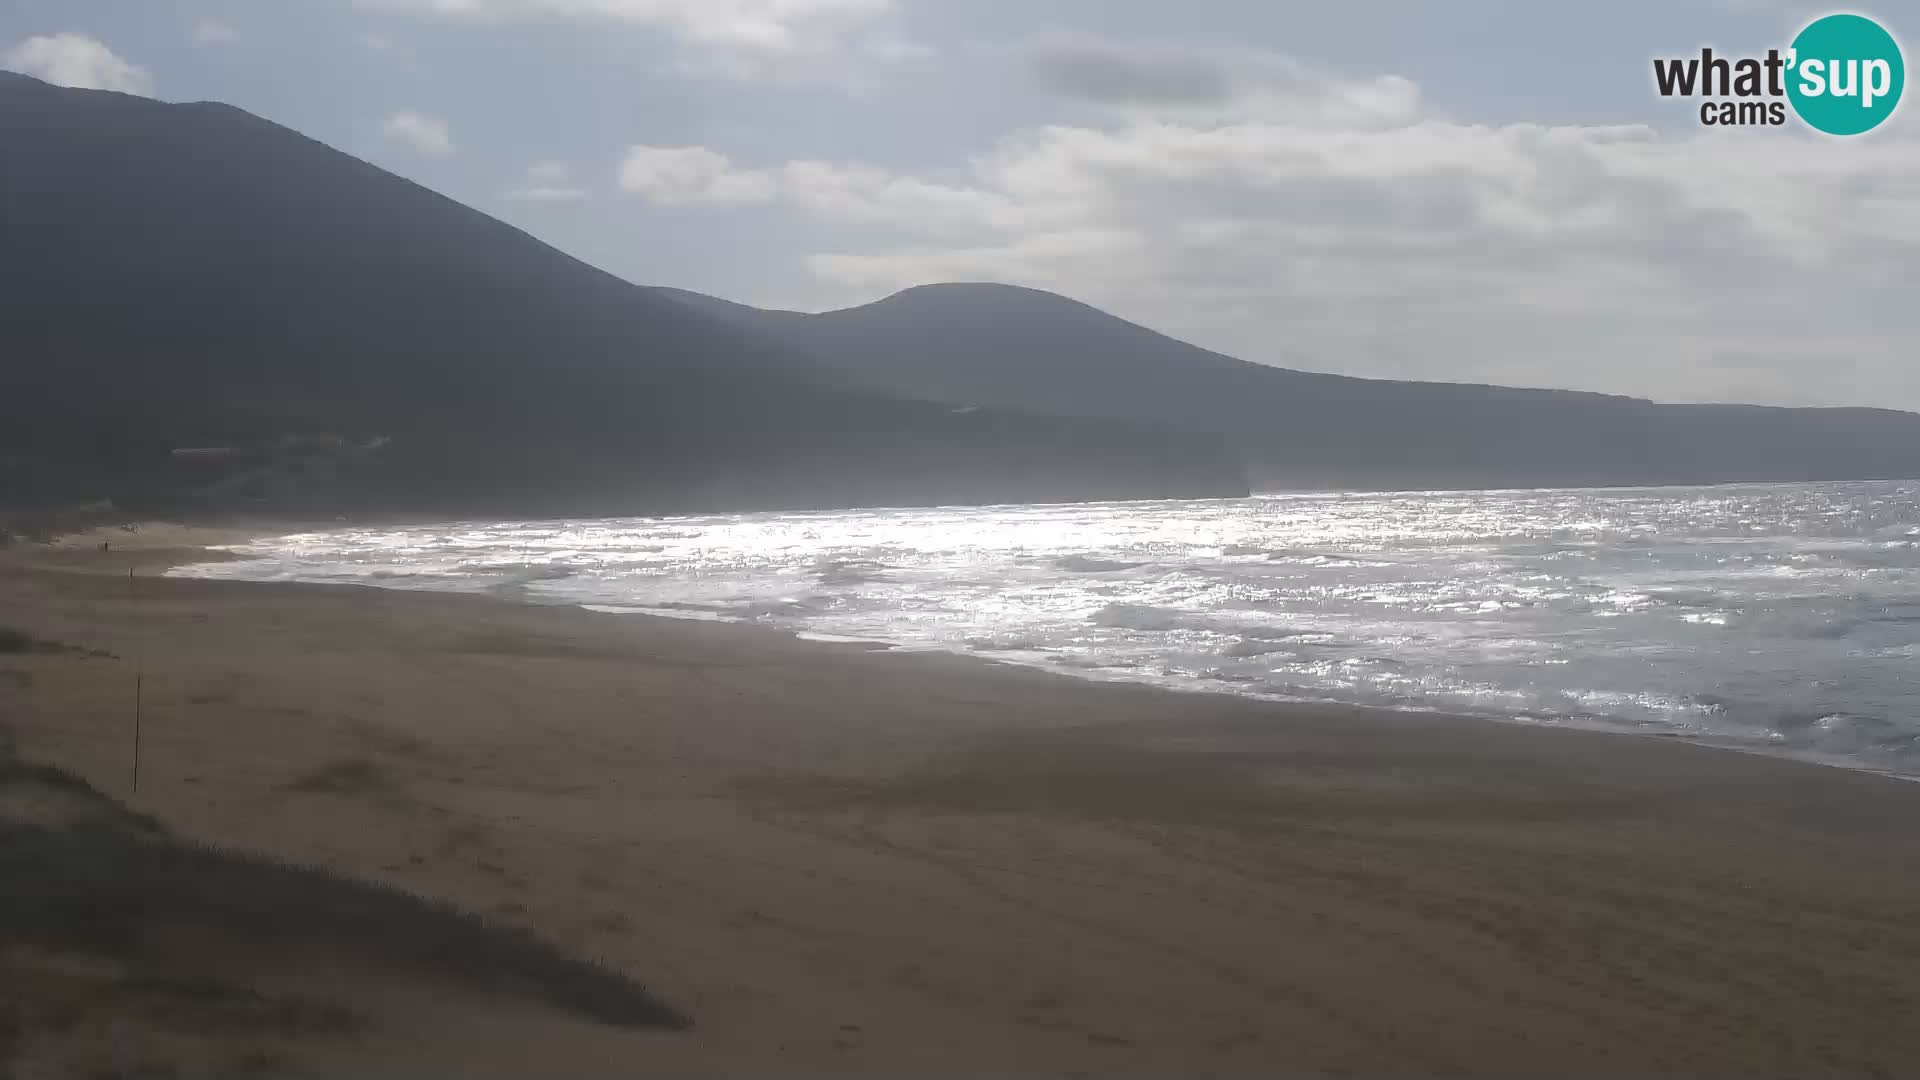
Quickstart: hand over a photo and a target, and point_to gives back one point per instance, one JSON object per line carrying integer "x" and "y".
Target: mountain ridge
{"x": 987, "y": 343}
{"x": 944, "y": 288}
{"x": 194, "y": 275}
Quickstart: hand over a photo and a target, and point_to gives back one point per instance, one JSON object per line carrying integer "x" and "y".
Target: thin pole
{"x": 139, "y": 680}
{"x": 138, "y": 677}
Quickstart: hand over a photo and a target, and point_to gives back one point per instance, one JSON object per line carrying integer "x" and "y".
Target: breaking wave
{"x": 1779, "y": 618}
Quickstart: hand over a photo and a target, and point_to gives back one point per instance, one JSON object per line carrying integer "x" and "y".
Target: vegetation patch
{"x": 102, "y": 893}
{"x": 43, "y": 796}
{"x": 20, "y": 643}
{"x": 348, "y": 776}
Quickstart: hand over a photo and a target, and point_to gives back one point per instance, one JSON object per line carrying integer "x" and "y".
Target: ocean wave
{"x": 1256, "y": 647}
{"x": 1796, "y": 606}
{"x": 1235, "y": 678}
{"x": 1007, "y": 644}
{"x": 1271, "y": 631}
{"x": 1884, "y": 555}
{"x": 1087, "y": 564}
{"x": 848, "y": 572}
{"x": 1902, "y": 610}
{"x": 1686, "y": 598}
{"x": 532, "y": 575}
{"x": 1139, "y": 617}
{"x": 1093, "y": 663}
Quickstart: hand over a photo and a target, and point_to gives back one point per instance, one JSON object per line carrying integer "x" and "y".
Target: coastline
{"x": 847, "y": 861}
{"x": 182, "y": 543}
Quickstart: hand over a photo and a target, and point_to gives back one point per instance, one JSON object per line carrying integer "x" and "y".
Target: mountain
{"x": 999, "y": 345}
{"x": 189, "y": 275}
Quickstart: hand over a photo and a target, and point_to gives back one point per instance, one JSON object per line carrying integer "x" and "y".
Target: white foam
{"x": 1595, "y": 608}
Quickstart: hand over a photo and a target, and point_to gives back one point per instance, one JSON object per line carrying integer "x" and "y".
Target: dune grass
{"x": 96, "y": 890}
{"x": 80, "y": 888}
{"x": 345, "y": 776}
{"x": 78, "y": 804}
{"x": 15, "y": 642}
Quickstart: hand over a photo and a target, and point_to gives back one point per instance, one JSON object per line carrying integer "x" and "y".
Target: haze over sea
{"x": 1780, "y": 618}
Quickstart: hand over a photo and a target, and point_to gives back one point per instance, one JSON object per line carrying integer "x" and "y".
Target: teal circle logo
{"x": 1846, "y": 74}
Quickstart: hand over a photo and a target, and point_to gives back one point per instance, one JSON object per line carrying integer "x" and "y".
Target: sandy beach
{"x": 846, "y": 862}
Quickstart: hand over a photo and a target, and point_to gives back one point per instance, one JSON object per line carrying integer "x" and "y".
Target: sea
{"x": 1781, "y": 619}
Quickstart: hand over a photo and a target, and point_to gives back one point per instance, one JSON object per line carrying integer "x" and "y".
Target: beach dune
{"x": 845, "y": 862}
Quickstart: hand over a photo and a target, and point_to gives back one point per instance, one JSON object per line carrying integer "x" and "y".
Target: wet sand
{"x": 845, "y": 862}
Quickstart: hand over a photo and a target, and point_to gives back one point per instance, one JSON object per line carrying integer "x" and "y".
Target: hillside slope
{"x": 192, "y": 275}
{"x": 997, "y": 345}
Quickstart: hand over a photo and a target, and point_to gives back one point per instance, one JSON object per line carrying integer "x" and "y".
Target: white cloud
{"x": 893, "y": 49}
{"x": 852, "y": 194}
{"x": 76, "y": 60}
{"x": 691, "y": 175}
{"x": 547, "y": 181}
{"x": 1319, "y": 221}
{"x": 1098, "y": 69}
{"x": 546, "y": 194}
{"x": 210, "y": 31}
{"x": 424, "y": 135}
{"x": 1219, "y": 85}
{"x": 763, "y": 25}
{"x": 865, "y": 195}
{"x": 809, "y": 41}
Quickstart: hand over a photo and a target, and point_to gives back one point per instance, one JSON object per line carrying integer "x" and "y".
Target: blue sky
{"x": 1483, "y": 190}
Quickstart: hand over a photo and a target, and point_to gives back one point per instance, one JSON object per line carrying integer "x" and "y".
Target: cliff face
{"x": 192, "y": 275}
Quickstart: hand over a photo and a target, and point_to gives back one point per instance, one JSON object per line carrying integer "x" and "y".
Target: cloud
{"x": 892, "y": 49}
{"x": 76, "y": 60}
{"x": 691, "y": 176}
{"x": 209, "y": 31}
{"x": 761, "y": 25}
{"x": 844, "y": 193}
{"x": 865, "y": 195}
{"x": 424, "y": 135}
{"x": 1095, "y": 69}
{"x": 1317, "y": 220}
{"x": 808, "y": 41}
{"x": 547, "y": 181}
{"x": 1211, "y": 84}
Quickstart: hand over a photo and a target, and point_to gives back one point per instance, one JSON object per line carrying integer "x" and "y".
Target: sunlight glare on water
{"x": 1780, "y": 617}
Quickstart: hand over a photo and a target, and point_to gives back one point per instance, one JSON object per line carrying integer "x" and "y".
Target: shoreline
{"x": 848, "y": 862}
{"x": 1704, "y": 742}
{"x": 1599, "y": 726}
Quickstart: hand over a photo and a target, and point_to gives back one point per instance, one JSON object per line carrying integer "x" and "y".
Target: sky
{"x": 1475, "y": 190}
